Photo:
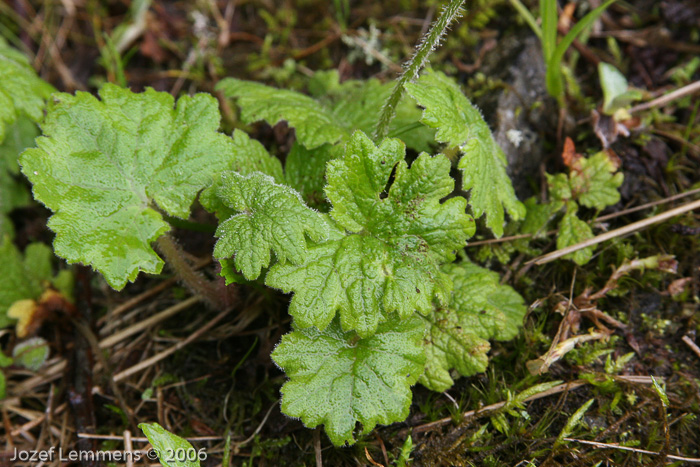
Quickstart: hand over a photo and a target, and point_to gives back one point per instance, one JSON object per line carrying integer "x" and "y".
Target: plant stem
{"x": 195, "y": 281}
{"x": 411, "y": 69}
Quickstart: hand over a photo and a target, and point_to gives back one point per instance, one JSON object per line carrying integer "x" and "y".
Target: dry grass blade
{"x": 665, "y": 99}
{"x": 633, "y": 227}
{"x": 693, "y": 346}
{"x": 555, "y": 390}
{"x": 597, "y": 444}
{"x": 171, "y": 350}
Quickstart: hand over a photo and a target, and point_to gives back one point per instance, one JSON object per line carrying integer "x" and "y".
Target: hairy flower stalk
{"x": 411, "y": 69}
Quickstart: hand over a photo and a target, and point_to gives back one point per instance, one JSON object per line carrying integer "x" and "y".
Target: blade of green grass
{"x": 554, "y": 79}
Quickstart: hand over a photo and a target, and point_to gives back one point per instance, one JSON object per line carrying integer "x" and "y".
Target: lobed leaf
{"x": 596, "y": 182}
{"x": 338, "y": 380}
{"x": 573, "y": 230}
{"x": 336, "y": 112}
{"x": 22, "y": 92}
{"x": 483, "y": 164}
{"x": 480, "y": 309}
{"x": 384, "y": 254}
{"x": 270, "y": 217}
{"x": 104, "y": 167}
{"x": 314, "y": 124}
{"x": 247, "y": 156}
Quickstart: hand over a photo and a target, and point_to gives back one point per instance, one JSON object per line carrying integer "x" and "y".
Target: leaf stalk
{"x": 194, "y": 281}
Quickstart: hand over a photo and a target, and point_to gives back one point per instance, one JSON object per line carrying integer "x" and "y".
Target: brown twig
{"x": 693, "y": 346}
{"x": 597, "y": 444}
{"x": 630, "y": 228}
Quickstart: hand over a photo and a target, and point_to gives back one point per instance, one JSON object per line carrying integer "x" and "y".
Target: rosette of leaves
{"x": 390, "y": 233}
{"x": 592, "y": 182}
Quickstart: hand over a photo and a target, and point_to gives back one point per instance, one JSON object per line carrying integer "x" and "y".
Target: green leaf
{"x": 457, "y": 335}
{"x": 106, "y": 166}
{"x": 172, "y": 450}
{"x": 270, "y": 217}
{"x": 22, "y": 92}
{"x": 538, "y": 215}
{"x": 357, "y": 105}
{"x": 484, "y": 306}
{"x": 386, "y": 251}
{"x": 337, "y": 380}
{"x": 305, "y": 171}
{"x": 338, "y": 111}
{"x": 615, "y": 93}
{"x": 448, "y": 345}
{"x": 460, "y": 124}
{"x": 13, "y": 193}
{"x": 559, "y": 187}
{"x": 31, "y": 353}
{"x": 595, "y": 181}
{"x": 573, "y": 230}
{"x": 314, "y": 124}
{"x": 23, "y": 276}
{"x": 248, "y": 156}
{"x": 573, "y": 421}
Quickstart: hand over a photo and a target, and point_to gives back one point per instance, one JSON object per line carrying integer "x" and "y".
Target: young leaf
{"x": 172, "y": 450}
{"x": 31, "y": 353}
{"x": 459, "y": 124}
{"x": 104, "y": 165}
{"x": 337, "y": 380}
{"x": 596, "y": 182}
{"x": 615, "y": 93}
{"x": 22, "y": 277}
{"x": 386, "y": 253}
{"x": 480, "y": 309}
{"x": 270, "y": 217}
{"x": 573, "y": 230}
{"x": 22, "y": 92}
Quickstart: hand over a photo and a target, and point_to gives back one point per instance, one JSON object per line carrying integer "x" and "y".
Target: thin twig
{"x": 135, "y": 439}
{"x": 555, "y": 390}
{"x": 666, "y": 98}
{"x": 633, "y": 227}
{"x": 693, "y": 346}
{"x": 171, "y": 350}
{"x": 636, "y": 450}
{"x": 595, "y": 221}
{"x": 147, "y": 323}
